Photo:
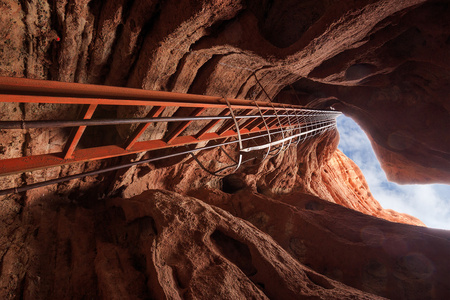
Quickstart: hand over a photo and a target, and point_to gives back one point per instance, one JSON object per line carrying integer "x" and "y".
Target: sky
{"x": 430, "y": 203}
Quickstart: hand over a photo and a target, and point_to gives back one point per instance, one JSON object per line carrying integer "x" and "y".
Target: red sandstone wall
{"x": 382, "y": 62}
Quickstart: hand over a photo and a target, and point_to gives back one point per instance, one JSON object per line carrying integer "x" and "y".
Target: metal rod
{"x": 256, "y": 123}
{"x": 279, "y": 123}
{"x": 55, "y": 88}
{"x": 282, "y": 141}
{"x": 36, "y": 162}
{"x": 63, "y": 99}
{"x": 182, "y": 126}
{"x": 228, "y": 125}
{"x": 132, "y": 139}
{"x": 103, "y": 122}
{"x": 289, "y": 122}
{"x": 238, "y": 134}
{"x": 26, "y": 90}
{"x": 76, "y": 134}
{"x": 97, "y": 172}
{"x": 109, "y": 169}
{"x": 268, "y": 131}
{"x": 211, "y": 124}
{"x": 114, "y": 168}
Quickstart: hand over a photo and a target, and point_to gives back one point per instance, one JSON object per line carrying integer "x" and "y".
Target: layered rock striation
{"x": 161, "y": 244}
{"x": 272, "y": 230}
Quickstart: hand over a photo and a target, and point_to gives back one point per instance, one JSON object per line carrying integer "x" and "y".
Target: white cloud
{"x": 429, "y": 203}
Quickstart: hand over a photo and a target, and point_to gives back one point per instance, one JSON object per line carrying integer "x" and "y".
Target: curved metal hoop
{"x": 281, "y": 128}
{"x": 238, "y": 133}
{"x": 299, "y": 126}
{"x": 236, "y": 164}
{"x": 268, "y": 131}
{"x": 290, "y": 125}
{"x": 315, "y": 123}
{"x": 216, "y": 173}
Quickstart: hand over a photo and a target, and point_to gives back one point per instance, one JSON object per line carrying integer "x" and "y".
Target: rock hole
{"x": 236, "y": 252}
{"x": 143, "y": 171}
{"x": 153, "y": 224}
{"x": 319, "y": 280}
{"x": 22, "y": 287}
{"x": 177, "y": 278}
{"x": 259, "y": 190}
{"x": 139, "y": 262}
{"x": 263, "y": 190}
{"x": 145, "y": 226}
{"x": 232, "y": 184}
{"x": 73, "y": 196}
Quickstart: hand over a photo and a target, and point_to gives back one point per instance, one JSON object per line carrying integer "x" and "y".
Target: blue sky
{"x": 430, "y": 203}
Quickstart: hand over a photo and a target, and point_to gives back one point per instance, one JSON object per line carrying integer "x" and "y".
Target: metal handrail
{"x": 103, "y": 122}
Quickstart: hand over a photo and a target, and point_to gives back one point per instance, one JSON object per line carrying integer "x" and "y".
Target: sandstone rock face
{"x": 270, "y": 231}
{"x": 326, "y": 172}
{"x": 394, "y": 83}
{"x": 381, "y": 62}
{"x": 355, "y": 194}
{"x": 361, "y": 251}
{"x": 161, "y": 244}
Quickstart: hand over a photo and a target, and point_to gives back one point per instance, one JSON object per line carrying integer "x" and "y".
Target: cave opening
{"x": 429, "y": 203}
{"x": 232, "y": 184}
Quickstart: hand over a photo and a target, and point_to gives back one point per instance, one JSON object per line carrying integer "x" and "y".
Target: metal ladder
{"x": 257, "y": 128}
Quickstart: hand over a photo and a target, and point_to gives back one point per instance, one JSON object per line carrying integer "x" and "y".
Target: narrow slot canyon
{"x": 162, "y": 149}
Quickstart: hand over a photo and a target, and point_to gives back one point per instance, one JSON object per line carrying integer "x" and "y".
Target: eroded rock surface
{"x": 350, "y": 189}
{"x": 384, "y": 62}
{"x": 373, "y": 255}
{"x": 267, "y": 231}
{"x": 164, "y": 245}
